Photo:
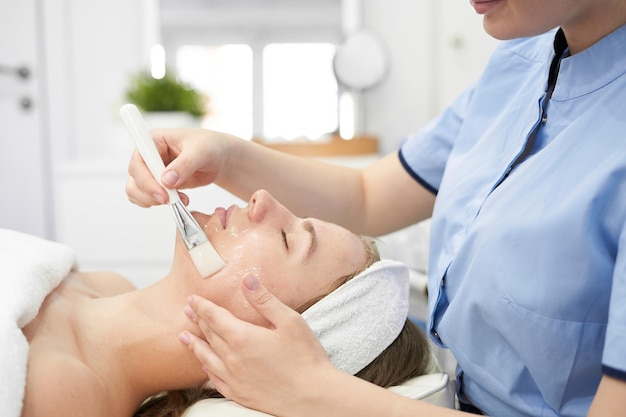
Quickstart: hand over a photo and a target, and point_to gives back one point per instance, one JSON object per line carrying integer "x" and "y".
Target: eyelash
{"x": 284, "y": 235}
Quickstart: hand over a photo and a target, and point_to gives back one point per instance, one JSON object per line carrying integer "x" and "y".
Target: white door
{"x": 25, "y": 173}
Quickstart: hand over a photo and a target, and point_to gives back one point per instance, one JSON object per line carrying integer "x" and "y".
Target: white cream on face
{"x": 269, "y": 241}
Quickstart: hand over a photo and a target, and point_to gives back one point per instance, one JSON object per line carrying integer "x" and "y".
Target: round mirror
{"x": 361, "y": 61}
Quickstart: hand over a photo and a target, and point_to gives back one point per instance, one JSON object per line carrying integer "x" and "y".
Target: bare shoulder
{"x": 60, "y": 385}
{"x": 104, "y": 283}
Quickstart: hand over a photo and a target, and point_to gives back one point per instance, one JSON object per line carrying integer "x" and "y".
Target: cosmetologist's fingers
{"x": 243, "y": 357}
{"x": 200, "y": 348}
{"x": 188, "y": 153}
{"x": 203, "y": 351}
{"x": 265, "y": 303}
{"x": 215, "y": 322}
{"x": 141, "y": 187}
{"x": 211, "y": 364}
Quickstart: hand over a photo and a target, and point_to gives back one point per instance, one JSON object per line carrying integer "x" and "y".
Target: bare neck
{"x": 132, "y": 343}
{"x": 596, "y": 22}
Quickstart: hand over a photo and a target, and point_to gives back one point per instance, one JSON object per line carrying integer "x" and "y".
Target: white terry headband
{"x": 360, "y": 319}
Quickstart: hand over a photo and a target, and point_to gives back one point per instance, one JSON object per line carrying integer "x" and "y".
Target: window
{"x": 298, "y": 87}
{"x": 224, "y": 73}
{"x": 265, "y": 65}
{"x": 299, "y": 91}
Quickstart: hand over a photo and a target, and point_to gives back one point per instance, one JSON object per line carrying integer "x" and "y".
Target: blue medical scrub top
{"x": 527, "y": 276}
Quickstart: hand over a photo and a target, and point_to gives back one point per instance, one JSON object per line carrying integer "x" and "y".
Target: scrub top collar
{"x": 589, "y": 70}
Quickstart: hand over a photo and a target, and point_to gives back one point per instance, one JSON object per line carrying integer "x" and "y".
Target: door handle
{"x": 21, "y": 72}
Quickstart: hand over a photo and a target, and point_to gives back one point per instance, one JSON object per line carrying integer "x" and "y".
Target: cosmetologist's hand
{"x": 192, "y": 158}
{"x": 265, "y": 368}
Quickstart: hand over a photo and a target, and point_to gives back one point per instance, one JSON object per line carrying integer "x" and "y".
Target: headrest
{"x": 360, "y": 319}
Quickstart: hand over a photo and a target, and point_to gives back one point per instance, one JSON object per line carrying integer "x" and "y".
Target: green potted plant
{"x": 166, "y": 101}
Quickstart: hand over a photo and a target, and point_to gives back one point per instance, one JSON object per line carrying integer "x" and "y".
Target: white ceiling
{"x": 235, "y": 4}
{"x": 178, "y": 16}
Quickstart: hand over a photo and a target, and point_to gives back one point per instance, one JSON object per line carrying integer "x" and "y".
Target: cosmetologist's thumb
{"x": 170, "y": 178}
{"x": 180, "y": 171}
{"x": 263, "y": 301}
{"x": 181, "y": 168}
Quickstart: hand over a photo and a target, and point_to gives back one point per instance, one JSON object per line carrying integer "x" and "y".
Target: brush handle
{"x": 148, "y": 150}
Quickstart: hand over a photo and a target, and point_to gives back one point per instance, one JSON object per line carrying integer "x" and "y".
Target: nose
{"x": 262, "y": 204}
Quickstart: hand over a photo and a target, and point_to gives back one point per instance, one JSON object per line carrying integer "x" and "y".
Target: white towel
{"x": 360, "y": 319}
{"x": 30, "y": 267}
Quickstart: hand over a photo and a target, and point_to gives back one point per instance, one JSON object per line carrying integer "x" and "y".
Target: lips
{"x": 222, "y": 216}
{"x": 484, "y": 6}
{"x": 215, "y": 220}
{"x": 219, "y": 218}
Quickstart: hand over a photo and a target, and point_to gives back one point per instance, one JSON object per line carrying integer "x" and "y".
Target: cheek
{"x": 224, "y": 289}
{"x": 242, "y": 251}
{"x": 247, "y": 313}
{"x": 254, "y": 251}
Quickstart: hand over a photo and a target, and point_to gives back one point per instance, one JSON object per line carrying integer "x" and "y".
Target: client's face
{"x": 297, "y": 259}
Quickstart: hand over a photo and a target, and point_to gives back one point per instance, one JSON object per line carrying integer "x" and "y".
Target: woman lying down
{"x": 99, "y": 347}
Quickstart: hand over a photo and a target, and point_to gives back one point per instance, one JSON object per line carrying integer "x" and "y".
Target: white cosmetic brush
{"x": 203, "y": 254}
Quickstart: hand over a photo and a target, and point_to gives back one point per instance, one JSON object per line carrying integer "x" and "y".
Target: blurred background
{"x": 266, "y": 68}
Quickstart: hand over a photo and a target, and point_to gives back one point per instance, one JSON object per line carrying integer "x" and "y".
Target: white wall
{"x": 435, "y": 46}
{"x": 91, "y": 48}
{"x": 403, "y": 101}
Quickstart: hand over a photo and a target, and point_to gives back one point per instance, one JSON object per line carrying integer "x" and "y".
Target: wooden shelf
{"x": 360, "y": 145}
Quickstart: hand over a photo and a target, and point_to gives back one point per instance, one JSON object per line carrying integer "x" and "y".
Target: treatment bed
{"x": 435, "y": 388}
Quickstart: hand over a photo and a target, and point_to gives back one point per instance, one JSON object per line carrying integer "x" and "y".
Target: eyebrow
{"x": 308, "y": 226}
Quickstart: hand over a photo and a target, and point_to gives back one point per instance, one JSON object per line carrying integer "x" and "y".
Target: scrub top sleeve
{"x": 614, "y": 357}
{"x": 424, "y": 155}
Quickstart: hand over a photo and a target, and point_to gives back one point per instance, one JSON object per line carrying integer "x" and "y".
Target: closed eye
{"x": 284, "y": 235}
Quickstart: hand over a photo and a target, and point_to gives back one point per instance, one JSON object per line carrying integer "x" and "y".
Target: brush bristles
{"x": 206, "y": 259}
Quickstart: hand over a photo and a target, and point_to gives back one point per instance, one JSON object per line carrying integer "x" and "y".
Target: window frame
{"x": 319, "y": 23}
